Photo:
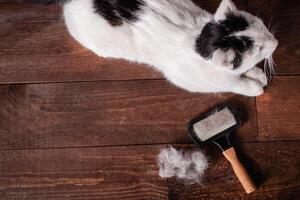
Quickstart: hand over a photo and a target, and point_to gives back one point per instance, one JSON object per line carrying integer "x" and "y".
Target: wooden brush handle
{"x": 239, "y": 170}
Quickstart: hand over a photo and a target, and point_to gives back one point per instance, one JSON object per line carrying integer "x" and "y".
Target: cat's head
{"x": 235, "y": 40}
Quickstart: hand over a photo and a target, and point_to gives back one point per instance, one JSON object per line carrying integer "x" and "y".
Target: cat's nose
{"x": 271, "y": 47}
{"x": 275, "y": 43}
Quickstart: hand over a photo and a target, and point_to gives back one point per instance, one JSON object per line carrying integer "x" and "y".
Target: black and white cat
{"x": 194, "y": 49}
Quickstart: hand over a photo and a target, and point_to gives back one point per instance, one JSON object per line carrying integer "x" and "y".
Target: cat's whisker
{"x": 274, "y": 64}
{"x": 265, "y": 68}
{"x": 270, "y": 67}
{"x": 274, "y": 28}
{"x": 270, "y": 22}
{"x": 274, "y": 32}
{"x": 274, "y": 67}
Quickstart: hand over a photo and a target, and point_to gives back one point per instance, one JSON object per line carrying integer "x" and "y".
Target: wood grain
{"x": 35, "y": 47}
{"x": 212, "y": 5}
{"x": 274, "y": 168}
{"x": 278, "y": 110}
{"x": 131, "y": 173}
{"x": 285, "y": 13}
{"x": 93, "y": 173}
{"x": 99, "y": 140}
{"x": 106, "y": 113}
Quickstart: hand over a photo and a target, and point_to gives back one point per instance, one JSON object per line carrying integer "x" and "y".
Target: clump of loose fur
{"x": 188, "y": 167}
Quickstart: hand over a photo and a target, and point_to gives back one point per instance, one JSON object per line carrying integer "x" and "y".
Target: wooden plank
{"x": 11, "y": 1}
{"x": 93, "y": 173}
{"x": 106, "y": 113}
{"x": 212, "y": 5}
{"x": 131, "y": 173}
{"x": 287, "y": 14}
{"x": 278, "y": 110}
{"x": 35, "y": 47}
{"x": 274, "y": 168}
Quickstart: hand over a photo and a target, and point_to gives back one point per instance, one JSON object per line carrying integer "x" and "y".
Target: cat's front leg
{"x": 257, "y": 74}
{"x": 247, "y": 87}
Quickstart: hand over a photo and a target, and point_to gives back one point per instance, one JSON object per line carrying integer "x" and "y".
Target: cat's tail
{"x": 46, "y": 2}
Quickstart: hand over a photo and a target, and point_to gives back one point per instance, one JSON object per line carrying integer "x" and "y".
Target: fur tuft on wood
{"x": 189, "y": 167}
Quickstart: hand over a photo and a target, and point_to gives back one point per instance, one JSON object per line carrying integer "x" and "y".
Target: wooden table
{"x": 75, "y": 126}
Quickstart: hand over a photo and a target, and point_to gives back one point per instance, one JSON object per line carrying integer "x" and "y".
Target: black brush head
{"x": 214, "y": 126}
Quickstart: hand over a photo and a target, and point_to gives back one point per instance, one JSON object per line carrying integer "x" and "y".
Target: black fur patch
{"x": 217, "y": 35}
{"x": 118, "y": 11}
{"x": 234, "y": 23}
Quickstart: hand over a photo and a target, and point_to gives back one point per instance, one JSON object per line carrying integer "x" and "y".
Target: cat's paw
{"x": 257, "y": 74}
{"x": 249, "y": 87}
{"x": 255, "y": 89}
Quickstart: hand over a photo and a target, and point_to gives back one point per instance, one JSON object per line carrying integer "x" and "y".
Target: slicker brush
{"x": 215, "y": 126}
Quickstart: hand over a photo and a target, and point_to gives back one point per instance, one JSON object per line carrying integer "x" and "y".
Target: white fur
{"x": 164, "y": 37}
{"x": 224, "y": 6}
{"x": 189, "y": 167}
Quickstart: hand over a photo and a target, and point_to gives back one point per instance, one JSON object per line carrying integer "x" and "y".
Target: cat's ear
{"x": 225, "y": 7}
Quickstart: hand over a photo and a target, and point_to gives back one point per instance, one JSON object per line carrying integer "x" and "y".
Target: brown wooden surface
{"x": 75, "y": 126}
{"x": 131, "y": 173}
{"x": 35, "y": 47}
{"x": 274, "y": 168}
{"x": 105, "y": 113}
{"x": 279, "y": 110}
